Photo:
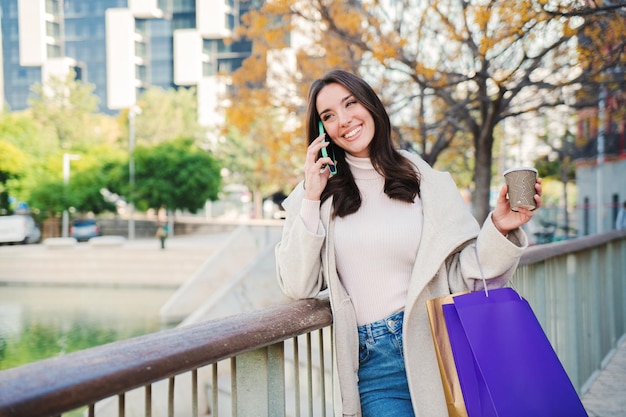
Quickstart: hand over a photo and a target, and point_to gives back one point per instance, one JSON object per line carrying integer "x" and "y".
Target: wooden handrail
{"x": 538, "y": 253}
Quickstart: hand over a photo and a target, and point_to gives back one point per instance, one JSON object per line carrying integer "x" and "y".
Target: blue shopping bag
{"x": 505, "y": 362}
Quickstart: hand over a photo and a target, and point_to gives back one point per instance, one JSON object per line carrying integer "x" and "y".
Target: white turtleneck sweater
{"x": 375, "y": 247}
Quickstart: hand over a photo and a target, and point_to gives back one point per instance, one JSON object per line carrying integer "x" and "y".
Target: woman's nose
{"x": 344, "y": 119}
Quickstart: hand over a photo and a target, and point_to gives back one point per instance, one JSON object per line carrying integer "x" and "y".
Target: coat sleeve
{"x": 299, "y": 252}
{"x": 490, "y": 254}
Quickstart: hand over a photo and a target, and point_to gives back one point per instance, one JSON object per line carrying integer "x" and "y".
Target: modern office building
{"x": 122, "y": 47}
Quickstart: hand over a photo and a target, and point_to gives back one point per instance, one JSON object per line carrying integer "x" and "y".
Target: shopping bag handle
{"x": 480, "y": 268}
{"x": 482, "y": 274}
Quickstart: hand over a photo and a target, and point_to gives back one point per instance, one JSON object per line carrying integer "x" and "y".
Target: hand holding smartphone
{"x": 331, "y": 167}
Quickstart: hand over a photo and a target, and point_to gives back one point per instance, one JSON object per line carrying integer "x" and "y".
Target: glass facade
{"x": 161, "y": 54}
{"x": 226, "y": 57}
{"x": 17, "y": 79}
{"x": 86, "y": 43}
{"x": 78, "y": 31}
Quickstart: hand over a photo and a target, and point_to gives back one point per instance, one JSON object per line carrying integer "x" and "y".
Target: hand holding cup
{"x": 524, "y": 191}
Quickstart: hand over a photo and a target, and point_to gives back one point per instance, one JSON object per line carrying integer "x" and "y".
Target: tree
{"x": 33, "y": 133}
{"x": 263, "y": 143}
{"x": 175, "y": 175}
{"x": 51, "y": 197}
{"x": 12, "y": 165}
{"x": 20, "y": 129}
{"x": 164, "y": 115}
{"x": 90, "y": 173}
{"x": 65, "y": 110}
{"x": 448, "y": 69}
{"x": 20, "y": 149}
{"x": 259, "y": 145}
{"x": 559, "y": 164}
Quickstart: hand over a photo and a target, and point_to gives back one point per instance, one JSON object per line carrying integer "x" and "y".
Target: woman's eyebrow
{"x": 343, "y": 100}
{"x": 346, "y": 98}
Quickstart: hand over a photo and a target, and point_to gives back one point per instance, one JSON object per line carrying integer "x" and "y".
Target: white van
{"x": 19, "y": 228}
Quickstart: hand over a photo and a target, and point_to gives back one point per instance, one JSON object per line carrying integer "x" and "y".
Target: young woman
{"x": 384, "y": 234}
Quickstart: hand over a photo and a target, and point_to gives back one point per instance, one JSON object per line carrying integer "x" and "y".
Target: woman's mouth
{"x": 353, "y": 132}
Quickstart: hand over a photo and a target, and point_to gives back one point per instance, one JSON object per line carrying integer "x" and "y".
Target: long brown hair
{"x": 402, "y": 180}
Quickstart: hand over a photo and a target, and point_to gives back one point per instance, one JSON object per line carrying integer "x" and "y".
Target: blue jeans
{"x": 383, "y": 384}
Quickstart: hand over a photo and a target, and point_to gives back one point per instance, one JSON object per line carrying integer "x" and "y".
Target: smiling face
{"x": 348, "y": 123}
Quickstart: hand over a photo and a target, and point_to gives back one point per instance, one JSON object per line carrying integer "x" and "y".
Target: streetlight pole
{"x": 131, "y": 172}
{"x": 66, "y": 180}
{"x": 600, "y": 161}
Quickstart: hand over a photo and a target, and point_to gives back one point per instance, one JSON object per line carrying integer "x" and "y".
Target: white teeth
{"x": 352, "y": 133}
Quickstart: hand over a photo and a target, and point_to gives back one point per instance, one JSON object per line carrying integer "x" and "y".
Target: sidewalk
{"x": 132, "y": 263}
{"x": 607, "y": 395}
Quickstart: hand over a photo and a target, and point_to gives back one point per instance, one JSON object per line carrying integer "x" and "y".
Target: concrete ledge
{"x": 60, "y": 242}
{"x": 107, "y": 241}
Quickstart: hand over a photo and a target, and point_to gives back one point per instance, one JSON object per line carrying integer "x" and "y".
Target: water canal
{"x": 39, "y": 322}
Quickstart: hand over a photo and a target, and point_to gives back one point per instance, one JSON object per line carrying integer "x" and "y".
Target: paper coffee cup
{"x": 521, "y": 182}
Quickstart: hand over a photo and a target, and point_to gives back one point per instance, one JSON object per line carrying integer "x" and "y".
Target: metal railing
{"x": 191, "y": 371}
{"x": 277, "y": 361}
{"x": 577, "y": 289}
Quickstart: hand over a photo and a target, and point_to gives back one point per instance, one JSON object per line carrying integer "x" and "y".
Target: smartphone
{"x": 331, "y": 167}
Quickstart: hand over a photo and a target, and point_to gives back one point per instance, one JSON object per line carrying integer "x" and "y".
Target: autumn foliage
{"x": 449, "y": 71}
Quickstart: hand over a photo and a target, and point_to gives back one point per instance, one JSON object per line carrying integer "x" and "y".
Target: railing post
{"x": 595, "y": 306}
{"x": 621, "y": 278}
{"x": 260, "y": 382}
{"x": 573, "y": 322}
{"x": 611, "y": 285}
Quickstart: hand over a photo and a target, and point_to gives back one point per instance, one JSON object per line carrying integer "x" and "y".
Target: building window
{"x": 100, "y": 8}
{"x": 53, "y": 30}
{"x": 79, "y": 73}
{"x": 70, "y": 29}
{"x": 161, "y": 74}
{"x": 141, "y": 73}
{"x": 10, "y": 10}
{"x": 53, "y": 51}
{"x": 52, "y": 7}
{"x": 184, "y": 22}
{"x": 209, "y": 68}
{"x": 164, "y": 5}
{"x": 230, "y": 21}
{"x": 160, "y": 28}
{"x": 70, "y": 50}
{"x": 585, "y": 128}
{"x": 11, "y": 29}
{"x": 161, "y": 49}
{"x": 141, "y": 26}
{"x": 225, "y": 66}
{"x": 182, "y": 6}
{"x": 141, "y": 50}
{"x": 215, "y": 46}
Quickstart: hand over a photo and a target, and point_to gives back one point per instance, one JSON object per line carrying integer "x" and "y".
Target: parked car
{"x": 19, "y": 228}
{"x": 84, "y": 229}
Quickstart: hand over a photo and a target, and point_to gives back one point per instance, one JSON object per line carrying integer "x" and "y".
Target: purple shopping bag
{"x": 506, "y": 364}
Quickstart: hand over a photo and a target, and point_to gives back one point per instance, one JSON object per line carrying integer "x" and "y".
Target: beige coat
{"x": 445, "y": 263}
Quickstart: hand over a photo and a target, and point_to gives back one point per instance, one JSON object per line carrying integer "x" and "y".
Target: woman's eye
{"x": 350, "y": 103}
